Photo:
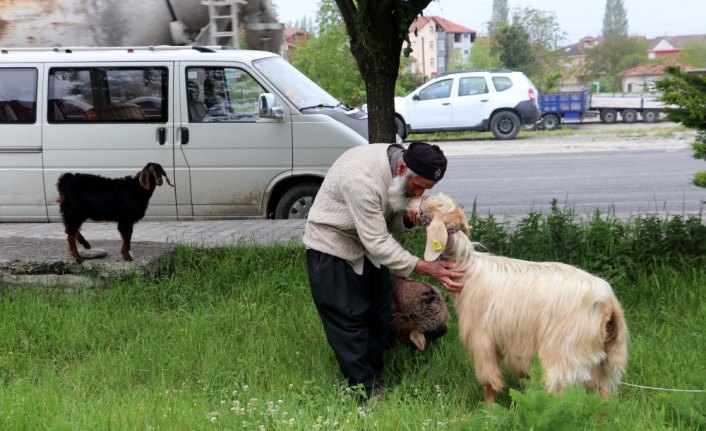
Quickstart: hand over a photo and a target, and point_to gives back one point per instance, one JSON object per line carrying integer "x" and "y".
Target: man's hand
{"x": 441, "y": 272}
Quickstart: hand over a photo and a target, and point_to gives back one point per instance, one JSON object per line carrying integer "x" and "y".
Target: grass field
{"x": 228, "y": 339}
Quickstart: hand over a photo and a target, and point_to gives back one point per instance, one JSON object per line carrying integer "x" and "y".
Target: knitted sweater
{"x": 351, "y": 218}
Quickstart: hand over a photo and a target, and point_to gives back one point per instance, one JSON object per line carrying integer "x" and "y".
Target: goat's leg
{"x": 82, "y": 240}
{"x": 125, "y": 230}
{"x": 73, "y": 251}
{"x": 487, "y": 364}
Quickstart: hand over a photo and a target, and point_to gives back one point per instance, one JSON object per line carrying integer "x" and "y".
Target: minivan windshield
{"x": 294, "y": 85}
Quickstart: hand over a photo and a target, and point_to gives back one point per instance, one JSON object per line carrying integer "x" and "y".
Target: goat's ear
{"x": 437, "y": 236}
{"x": 145, "y": 178}
{"x": 418, "y": 339}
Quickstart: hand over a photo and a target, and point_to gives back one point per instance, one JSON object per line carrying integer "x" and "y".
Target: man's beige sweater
{"x": 351, "y": 218}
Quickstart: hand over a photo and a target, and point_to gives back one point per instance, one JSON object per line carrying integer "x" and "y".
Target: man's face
{"x": 405, "y": 187}
{"x": 416, "y": 185}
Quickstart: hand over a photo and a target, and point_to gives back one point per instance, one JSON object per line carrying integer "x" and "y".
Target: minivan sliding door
{"x": 113, "y": 119}
{"x": 21, "y": 180}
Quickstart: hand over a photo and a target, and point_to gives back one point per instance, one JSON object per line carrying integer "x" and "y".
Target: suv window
{"x": 502, "y": 83}
{"x": 472, "y": 85}
{"x": 18, "y": 95}
{"x": 437, "y": 90}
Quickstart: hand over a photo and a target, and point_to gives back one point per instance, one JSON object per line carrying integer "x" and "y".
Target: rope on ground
{"x": 699, "y": 391}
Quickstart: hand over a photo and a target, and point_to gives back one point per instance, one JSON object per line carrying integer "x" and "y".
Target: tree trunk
{"x": 377, "y": 29}
{"x": 380, "y": 91}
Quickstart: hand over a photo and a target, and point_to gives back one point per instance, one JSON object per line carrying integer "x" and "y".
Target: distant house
{"x": 670, "y": 46}
{"x": 435, "y": 41}
{"x": 641, "y": 79}
{"x": 575, "y": 61}
{"x": 292, "y": 38}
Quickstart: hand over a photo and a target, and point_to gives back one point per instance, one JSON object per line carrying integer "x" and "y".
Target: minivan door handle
{"x": 184, "y": 135}
{"x": 162, "y": 135}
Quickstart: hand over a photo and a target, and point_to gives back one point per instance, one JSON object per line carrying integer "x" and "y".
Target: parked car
{"x": 498, "y": 100}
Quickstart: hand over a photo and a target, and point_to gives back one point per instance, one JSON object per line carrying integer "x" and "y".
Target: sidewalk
{"x": 200, "y": 233}
{"x": 36, "y": 253}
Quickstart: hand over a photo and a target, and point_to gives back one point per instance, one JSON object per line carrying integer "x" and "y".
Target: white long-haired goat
{"x": 512, "y": 310}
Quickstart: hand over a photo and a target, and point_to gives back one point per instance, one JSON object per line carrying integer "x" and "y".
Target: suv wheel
{"x": 505, "y": 125}
{"x": 400, "y": 127}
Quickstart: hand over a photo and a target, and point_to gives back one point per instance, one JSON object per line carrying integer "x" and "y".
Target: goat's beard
{"x": 397, "y": 195}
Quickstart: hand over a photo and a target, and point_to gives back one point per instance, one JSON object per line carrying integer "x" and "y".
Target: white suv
{"x": 501, "y": 101}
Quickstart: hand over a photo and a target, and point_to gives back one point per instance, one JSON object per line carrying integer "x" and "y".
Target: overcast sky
{"x": 651, "y": 18}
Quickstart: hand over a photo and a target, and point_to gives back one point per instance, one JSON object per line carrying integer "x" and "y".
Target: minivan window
{"x": 18, "y": 95}
{"x": 108, "y": 94}
{"x": 502, "y": 83}
{"x": 221, "y": 94}
{"x": 301, "y": 91}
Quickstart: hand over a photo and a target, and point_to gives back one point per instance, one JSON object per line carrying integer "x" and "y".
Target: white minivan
{"x": 242, "y": 134}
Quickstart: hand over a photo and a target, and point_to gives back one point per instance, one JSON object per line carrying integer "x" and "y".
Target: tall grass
{"x": 229, "y": 339}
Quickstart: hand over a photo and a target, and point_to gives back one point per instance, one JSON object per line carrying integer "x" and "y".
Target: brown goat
{"x": 419, "y": 312}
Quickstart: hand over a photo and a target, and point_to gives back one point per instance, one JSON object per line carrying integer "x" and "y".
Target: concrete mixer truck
{"x": 61, "y": 23}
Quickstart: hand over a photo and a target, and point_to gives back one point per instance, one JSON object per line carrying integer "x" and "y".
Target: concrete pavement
{"x": 36, "y": 253}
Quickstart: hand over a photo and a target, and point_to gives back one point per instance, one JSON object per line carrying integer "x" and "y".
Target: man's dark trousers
{"x": 355, "y": 312}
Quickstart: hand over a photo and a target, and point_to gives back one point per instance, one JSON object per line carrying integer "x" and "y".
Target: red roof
{"x": 444, "y": 24}
{"x": 653, "y": 69}
{"x": 291, "y": 31}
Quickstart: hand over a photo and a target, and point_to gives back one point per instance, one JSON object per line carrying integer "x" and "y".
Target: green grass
{"x": 228, "y": 339}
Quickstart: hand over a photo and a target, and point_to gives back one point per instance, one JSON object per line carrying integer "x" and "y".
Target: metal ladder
{"x": 223, "y": 22}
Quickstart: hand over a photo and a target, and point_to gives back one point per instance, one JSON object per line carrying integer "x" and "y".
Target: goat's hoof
{"x": 128, "y": 256}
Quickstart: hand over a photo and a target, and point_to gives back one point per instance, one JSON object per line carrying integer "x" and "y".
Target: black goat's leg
{"x": 73, "y": 251}
{"x": 126, "y": 235}
{"x": 82, "y": 240}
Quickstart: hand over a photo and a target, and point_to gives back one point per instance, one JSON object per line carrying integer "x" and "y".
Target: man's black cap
{"x": 425, "y": 160}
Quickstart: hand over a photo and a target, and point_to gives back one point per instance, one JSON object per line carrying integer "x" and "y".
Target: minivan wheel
{"x": 400, "y": 127}
{"x": 505, "y": 125}
{"x": 296, "y": 202}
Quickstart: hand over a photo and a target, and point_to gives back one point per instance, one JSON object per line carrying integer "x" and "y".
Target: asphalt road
{"x": 625, "y": 181}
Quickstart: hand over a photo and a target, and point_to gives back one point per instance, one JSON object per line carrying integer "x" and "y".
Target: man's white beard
{"x": 397, "y": 193}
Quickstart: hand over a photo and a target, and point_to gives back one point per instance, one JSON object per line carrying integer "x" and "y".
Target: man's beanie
{"x": 425, "y": 160}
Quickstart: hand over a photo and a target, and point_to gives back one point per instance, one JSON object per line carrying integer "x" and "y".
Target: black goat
{"x": 124, "y": 200}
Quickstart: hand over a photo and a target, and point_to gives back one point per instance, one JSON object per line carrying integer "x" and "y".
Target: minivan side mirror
{"x": 415, "y": 97}
{"x": 267, "y": 107}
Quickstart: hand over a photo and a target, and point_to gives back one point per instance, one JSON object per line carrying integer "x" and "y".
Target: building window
{"x": 431, "y": 44}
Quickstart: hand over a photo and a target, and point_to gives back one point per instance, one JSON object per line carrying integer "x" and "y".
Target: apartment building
{"x": 435, "y": 41}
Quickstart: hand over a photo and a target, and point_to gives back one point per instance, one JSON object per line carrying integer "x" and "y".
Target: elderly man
{"x": 350, "y": 249}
